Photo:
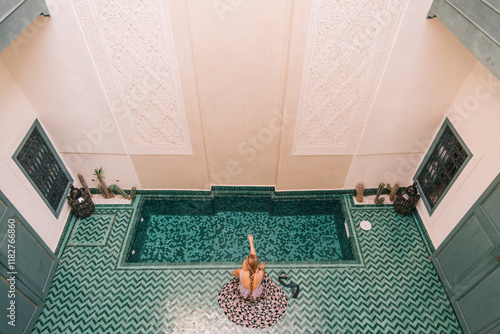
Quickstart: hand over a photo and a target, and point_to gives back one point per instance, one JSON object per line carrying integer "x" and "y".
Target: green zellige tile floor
{"x": 397, "y": 291}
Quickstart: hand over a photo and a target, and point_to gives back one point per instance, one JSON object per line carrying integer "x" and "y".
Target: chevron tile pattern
{"x": 91, "y": 231}
{"x": 398, "y": 290}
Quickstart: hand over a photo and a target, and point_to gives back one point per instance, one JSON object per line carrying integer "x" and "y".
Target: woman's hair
{"x": 252, "y": 264}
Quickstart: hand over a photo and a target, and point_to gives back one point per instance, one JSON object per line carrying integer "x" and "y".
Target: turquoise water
{"x": 222, "y": 237}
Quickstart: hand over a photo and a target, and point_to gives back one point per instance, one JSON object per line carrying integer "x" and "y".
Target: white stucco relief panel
{"x": 348, "y": 46}
{"x": 133, "y": 50}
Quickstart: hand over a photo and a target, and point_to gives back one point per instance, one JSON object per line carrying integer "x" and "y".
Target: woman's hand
{"x": 250, "y": 238}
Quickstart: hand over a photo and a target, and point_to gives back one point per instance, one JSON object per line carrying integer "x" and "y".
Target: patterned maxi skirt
{"x": 254, "y": 314}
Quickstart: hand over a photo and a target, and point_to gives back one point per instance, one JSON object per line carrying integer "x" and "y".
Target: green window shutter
{"x": 40, "y": 163}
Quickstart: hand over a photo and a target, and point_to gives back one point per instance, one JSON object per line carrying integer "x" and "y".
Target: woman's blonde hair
{"x": 252, "y": 264}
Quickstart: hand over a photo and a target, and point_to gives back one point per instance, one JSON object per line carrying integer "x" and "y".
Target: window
{"x": 39, "y": 161}
{"x": 442, "y": 164}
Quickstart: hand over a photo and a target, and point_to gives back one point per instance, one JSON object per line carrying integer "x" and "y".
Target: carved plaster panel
{"x": 348, "y": 47}
{"x": 133, "y": 49}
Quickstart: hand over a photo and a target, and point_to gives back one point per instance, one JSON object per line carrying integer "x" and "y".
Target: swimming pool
{"x": 213, "y": 227}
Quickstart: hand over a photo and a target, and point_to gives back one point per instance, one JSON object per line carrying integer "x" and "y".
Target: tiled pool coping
{"x": 343, "y": 196}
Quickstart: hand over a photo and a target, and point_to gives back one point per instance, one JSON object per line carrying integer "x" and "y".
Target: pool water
{"x": 208, "y": 230}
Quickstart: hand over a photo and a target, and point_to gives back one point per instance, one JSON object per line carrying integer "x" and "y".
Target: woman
{"x": 238, "y": 298}
{"x": 250, "y": 274}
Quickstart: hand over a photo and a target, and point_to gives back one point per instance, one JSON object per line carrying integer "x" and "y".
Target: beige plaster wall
{"x": 52, "y": 65}
{"x": 240, "y": 67}
{"x": 474, "y": 114}
{"x": 56, "y": 72}
{"x": 16, "y": 118}
{"x": 239, "y": 55}
{"x": 170, "y": 172}
{"x": 303, "y": 172}
{"x": 426, "y": 69}
{"x": 423, "y": 74}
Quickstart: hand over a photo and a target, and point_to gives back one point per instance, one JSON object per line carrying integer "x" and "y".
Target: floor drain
{"x": 365, "y": 225}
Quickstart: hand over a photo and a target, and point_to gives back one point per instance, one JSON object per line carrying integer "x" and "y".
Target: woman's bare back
{"x": 245, "y": 279}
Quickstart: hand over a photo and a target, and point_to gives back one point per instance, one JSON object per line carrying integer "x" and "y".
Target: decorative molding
{"x": 348, "y": 46}
{"x": 133, "y": 50}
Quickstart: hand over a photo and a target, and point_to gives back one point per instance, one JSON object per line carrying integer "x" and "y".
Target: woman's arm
{"x": 250, "y": 241}
{"x": 236, "y": 272}
{"x": 252, "y": 251}
{"x": 261, "y": 267}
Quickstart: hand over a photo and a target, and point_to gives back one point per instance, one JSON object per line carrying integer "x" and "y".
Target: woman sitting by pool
{"x": 250, "y": 274}
{"x": 238, "y": 298}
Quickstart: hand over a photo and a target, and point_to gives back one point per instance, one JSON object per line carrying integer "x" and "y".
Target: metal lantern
{"x": 80, "y": 202}
{"x": 406, "y": 200}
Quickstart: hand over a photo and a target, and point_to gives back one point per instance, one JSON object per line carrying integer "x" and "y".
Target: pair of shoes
{"x": 294, "y": 287}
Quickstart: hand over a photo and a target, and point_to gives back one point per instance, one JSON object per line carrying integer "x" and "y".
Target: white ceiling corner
{"x": 348, "y": 46}
{"x": 133, "y": 49}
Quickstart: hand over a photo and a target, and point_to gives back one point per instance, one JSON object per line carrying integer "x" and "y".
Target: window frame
{"x": 446, "y": 124}
{"x": 36, "y": 125}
